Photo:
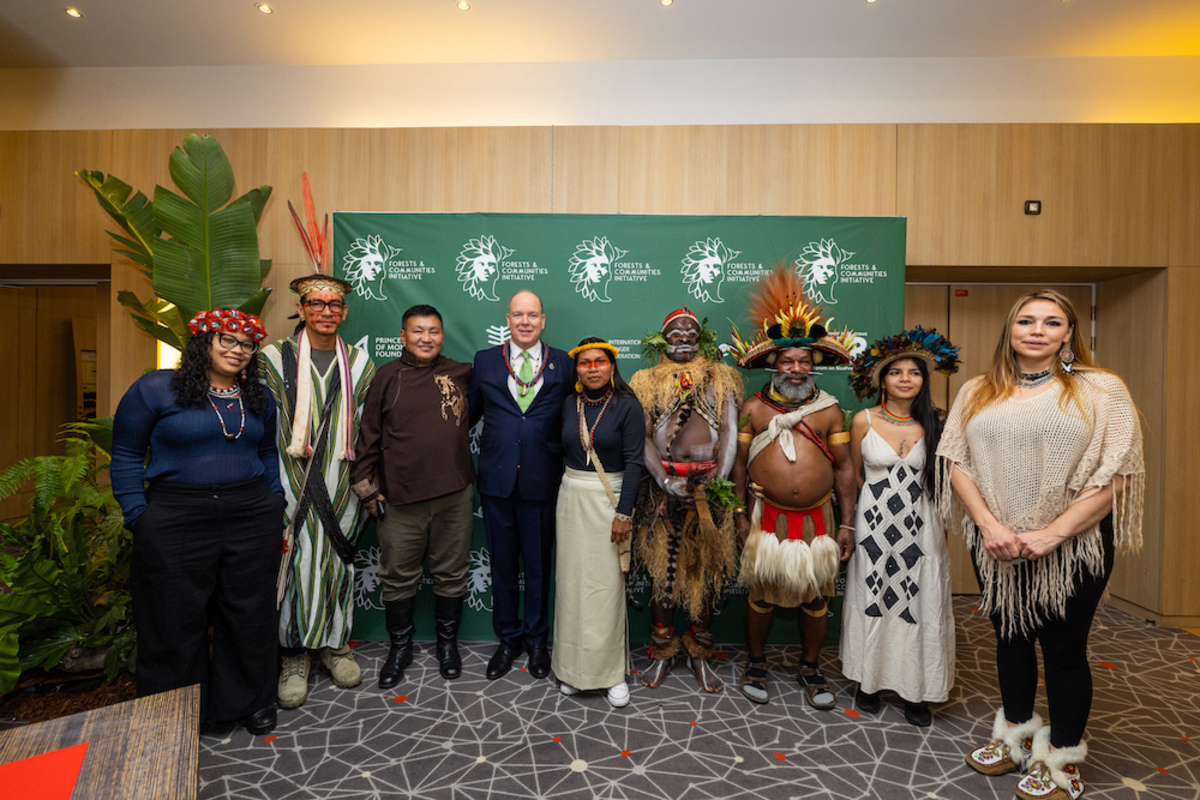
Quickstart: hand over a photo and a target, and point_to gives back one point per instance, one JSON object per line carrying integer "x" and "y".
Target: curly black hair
{"x": 190, "y": 381}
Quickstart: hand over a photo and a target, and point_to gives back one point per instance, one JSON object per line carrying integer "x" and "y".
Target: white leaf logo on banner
{"x": 498, "y": 334}
{"x": 591, "y": 268}
{"x": 479, "y": 266}
{"x": 820, "y": 267}
{"x": 479, "y": 581}
{"x": 365, "y": 266}
{"x": 366, "y": 579}
{"x": 704, "y": 269}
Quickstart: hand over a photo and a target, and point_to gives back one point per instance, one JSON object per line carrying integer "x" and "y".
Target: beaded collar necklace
{"x": 1032, "y": 380}
{"x": 890, "y": 417}
{"x": 587, "y": 439}
{"x": 781, "y": 403}
{"x": 233, "y": 391}
{"x": 229, "y": 437}
{"x": 525, "y": 387}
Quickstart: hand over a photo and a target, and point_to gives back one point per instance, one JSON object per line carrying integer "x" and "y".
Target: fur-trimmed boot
{"x": 447, "y": 615}
{"x": 399, "y": 617}
{"x": 1054, "y": 774}
{"x": 1009, "y": 749}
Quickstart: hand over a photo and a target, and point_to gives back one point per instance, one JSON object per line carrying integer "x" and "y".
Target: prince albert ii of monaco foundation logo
{"x": 820, "y": 267}
{"x": 592, "y": 268}
{"x": 365, "y": 266}
{"x": 703, "y": 269}
{"x": 479, "y": 266}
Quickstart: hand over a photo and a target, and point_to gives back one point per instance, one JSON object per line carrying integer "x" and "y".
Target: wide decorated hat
{"x": 784, "y": 320}
{"x": 925, "y": 344}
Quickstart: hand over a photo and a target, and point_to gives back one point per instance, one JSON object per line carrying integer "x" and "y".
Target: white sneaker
{"x": 341, "y": 665}
{"x": 618, "y": 696}
{"x": 293, "y": 681}
{"x": 567, "y": 689}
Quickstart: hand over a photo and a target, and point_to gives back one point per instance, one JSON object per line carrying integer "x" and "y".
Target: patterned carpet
{"x": 520, "y": 738}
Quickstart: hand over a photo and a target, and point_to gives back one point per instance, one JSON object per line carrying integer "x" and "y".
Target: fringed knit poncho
{"x": 1031, "y": 459}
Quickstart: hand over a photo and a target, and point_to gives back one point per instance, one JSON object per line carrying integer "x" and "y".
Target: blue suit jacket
{"x": 519, "y": 450}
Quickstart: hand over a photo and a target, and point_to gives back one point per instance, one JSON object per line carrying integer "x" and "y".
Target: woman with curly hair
{"x": 897, "y": 622}
{"x": 206, "y": 513}
{"x": 1044, "y": 453}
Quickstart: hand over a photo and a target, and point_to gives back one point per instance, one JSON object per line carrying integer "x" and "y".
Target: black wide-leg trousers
{"x": 209, "y": 556}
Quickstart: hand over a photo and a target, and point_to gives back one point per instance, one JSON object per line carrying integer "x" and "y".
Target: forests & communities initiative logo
{"x": 820, "y": 267}
{"x": 704, "y": 269}
{"x": 479, "y": 266}
{"x": 592, "y": 267}
{"x": 365, "y": 266}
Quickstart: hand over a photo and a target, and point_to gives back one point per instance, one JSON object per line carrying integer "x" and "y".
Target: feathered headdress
{"x": 316, "y": 244}
{"x": 786, "y": 320}
{"x": 925, "y": 344}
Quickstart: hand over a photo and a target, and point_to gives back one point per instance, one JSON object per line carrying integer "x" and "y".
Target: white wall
{"x": 891, "y": 90}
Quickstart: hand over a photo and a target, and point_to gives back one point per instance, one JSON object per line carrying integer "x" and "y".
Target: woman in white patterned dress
{"x": 897, "y": 623}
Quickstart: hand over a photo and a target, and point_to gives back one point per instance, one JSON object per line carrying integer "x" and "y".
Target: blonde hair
{"x": 1001, "y": 378}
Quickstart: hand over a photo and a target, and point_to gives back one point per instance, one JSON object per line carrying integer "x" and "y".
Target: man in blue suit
{"x": 518, "y": 390}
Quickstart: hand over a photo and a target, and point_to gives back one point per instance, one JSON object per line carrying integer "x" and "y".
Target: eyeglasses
{"x": 334, "y": 306}
{"x": 228, "y": 341}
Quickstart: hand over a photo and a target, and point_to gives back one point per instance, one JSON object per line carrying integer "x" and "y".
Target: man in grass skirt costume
{"x": 320, "y": 384}
{"x": 683, "y": 536}
{"x": 793, "y": 455}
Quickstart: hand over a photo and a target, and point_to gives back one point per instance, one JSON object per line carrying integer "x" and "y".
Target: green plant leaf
{"x": 202, "y": 171}
{"x": 134, "y": 215}
{"x": 256, "y": 302}
{"x": 48, "y": 648}
{"x": 10, "y": 669}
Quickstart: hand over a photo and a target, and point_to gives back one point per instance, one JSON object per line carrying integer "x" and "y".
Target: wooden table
{"x": 143, "y": 748}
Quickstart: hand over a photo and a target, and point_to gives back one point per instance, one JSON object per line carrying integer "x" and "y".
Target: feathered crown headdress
{"x": 316, "y": 244}
{"x": 786, "y": 320}
{"x": 925, "y": 344}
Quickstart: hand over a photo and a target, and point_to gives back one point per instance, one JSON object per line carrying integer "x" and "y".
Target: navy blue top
{"x": 186, "y": 445}
{"x": 619, "y": 439}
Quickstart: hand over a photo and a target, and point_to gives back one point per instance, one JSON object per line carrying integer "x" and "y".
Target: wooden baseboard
{"x": 1162, "y": 620}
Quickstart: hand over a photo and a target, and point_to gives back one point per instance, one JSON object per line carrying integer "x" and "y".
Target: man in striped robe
{"x": 319, "y": 384}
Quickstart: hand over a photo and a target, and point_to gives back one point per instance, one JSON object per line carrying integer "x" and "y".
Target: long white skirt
{"x": 591, "y": 645}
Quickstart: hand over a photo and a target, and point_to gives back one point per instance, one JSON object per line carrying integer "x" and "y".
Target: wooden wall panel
{"x": 1135, "y": 303}
{"x": 54, "y": 386}
{"x": 1181, "y": 390}
{"x": 586, "y": 169}
{"x": 1185, "y": 200}
{"x": 962, "y": 188}
{"x": 460, "y": 169}
{"x": 929, "y": 306}
{"x": 17, "y": 404}
{"x": 846, "y": 170}
{"x": 47, "y": 215}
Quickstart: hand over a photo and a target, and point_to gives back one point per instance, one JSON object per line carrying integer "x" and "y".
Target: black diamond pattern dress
{"x": 897, "y": 623}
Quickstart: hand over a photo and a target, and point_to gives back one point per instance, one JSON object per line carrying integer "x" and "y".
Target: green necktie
{"x": 525, "y": 376}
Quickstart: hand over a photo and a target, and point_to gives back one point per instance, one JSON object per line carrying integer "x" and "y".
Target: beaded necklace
{"x": 894, "y": 419}
{"x": 1032, "y": 380}
{"x": 525, "y": 387}
{"x": 229, "y": 437}
{"x": 587, "y": 439}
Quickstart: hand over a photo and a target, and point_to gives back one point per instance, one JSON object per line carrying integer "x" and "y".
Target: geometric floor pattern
{"x": 474, "y": 739}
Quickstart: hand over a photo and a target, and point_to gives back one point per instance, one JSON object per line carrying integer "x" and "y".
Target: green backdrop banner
{"x": 614, "y": 276}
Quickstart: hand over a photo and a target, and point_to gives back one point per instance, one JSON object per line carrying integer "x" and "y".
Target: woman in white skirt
{"x": 603, "y": 440}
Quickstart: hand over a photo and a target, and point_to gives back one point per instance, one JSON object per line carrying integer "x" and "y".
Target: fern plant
{"x": 65, "y": 566}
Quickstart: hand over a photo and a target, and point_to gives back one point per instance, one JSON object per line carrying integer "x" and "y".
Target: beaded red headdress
{"x": 228, "y": 320}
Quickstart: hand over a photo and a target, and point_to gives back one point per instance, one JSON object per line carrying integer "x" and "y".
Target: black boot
{"x": 399, "y": 614}
{"x": 447, "y": 614}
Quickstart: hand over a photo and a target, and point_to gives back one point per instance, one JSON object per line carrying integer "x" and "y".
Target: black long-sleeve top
{"x": 620, "y": 441}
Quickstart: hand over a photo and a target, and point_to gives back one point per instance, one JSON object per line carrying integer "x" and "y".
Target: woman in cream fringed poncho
{"x": 1044, "y": 453}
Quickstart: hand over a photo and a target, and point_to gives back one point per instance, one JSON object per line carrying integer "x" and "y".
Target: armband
{"x": 839, "y": 438}
{"x": 745, "y": 437}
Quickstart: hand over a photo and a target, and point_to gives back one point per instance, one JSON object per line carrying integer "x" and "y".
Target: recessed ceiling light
{"x": 665, "y": 2}
{"x": 463, "y": 5}
{"x": 74, "y": 12}
{"x": 264, "y": 8}
{"x": 871, "y": 2}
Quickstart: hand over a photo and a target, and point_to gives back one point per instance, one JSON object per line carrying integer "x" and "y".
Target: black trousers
{"x": 520, "y": 533}
{"x": 209, "y": 557}
{"x": 1064, "y": 656}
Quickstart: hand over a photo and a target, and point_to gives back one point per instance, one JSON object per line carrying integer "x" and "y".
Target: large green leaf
{"x": 202, "y": 171}
{"x": 133, "y": 214}
{"x": 256, "y": 302}
{"x": 10, "y": 670}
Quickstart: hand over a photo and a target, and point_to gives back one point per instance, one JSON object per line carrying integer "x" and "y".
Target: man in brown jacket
{"x": 417, "y": 407}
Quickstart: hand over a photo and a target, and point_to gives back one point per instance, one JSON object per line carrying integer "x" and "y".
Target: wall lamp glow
{"x": 74, "y": 12}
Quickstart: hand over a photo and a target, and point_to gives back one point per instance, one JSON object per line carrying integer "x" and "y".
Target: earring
{"x": 612, "y": 382}
{"x": 578, "y": 387}
{"x": 1067, "y": 357}
{"x": 243, "y": 374}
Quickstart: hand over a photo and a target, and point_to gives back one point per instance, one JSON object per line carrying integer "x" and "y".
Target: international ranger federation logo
{"x": 704, "y": 269}
{"x": 365, "y": 266}
{"x": 479, "y": 266}
{"x": 366, "y": 579}
{"x": 479, "y": 581}
{"x": 820, "y": 267}
{"x": 592, "y": 266}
